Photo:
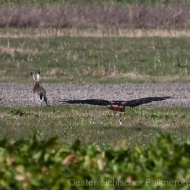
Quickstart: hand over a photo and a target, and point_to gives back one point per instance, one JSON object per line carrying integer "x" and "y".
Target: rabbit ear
{"x": 38, "y": 77}
{"x": 33, "y": 76}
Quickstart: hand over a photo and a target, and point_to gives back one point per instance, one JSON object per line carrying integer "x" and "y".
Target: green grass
{"x": 92, "y": 59}
{"x": 95, "y": 124}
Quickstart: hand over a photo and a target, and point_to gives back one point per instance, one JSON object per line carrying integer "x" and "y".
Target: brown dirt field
{"x": 12, "y": 94}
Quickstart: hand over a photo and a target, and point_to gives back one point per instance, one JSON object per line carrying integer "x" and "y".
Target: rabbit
{"x": 39, "y": 91}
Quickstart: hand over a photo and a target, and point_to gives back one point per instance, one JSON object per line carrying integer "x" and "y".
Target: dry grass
{"x": 136, "y": 16}
{"x": 12, "y": 51}
{"x": 130, "y": 33}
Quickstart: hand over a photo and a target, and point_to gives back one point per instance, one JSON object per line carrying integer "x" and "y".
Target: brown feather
{"x": 115, "y": 108}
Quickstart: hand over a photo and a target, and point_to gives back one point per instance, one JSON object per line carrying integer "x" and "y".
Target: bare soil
{"x": 12, "y": 94}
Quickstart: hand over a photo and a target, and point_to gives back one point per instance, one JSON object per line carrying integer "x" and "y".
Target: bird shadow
{"x": 130, "y": 103}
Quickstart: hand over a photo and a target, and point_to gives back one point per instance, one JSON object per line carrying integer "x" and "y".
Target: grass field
{"x": 91, "y": 56}
{"x": 94, "y": 56}
{"x": 95, "y": 124}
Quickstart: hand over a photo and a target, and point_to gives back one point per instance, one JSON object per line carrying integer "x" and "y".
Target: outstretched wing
{"x": 130, "y": 103}
{"x": 98, "y": 102}
{"x": 140, "y": 101}
{"x": 116, "y": 105}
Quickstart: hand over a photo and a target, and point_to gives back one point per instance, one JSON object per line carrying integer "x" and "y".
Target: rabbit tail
{"x": 42, "y": 97}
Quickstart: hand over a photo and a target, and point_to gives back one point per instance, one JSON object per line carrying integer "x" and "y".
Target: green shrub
{"x": 29, "y": 164}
